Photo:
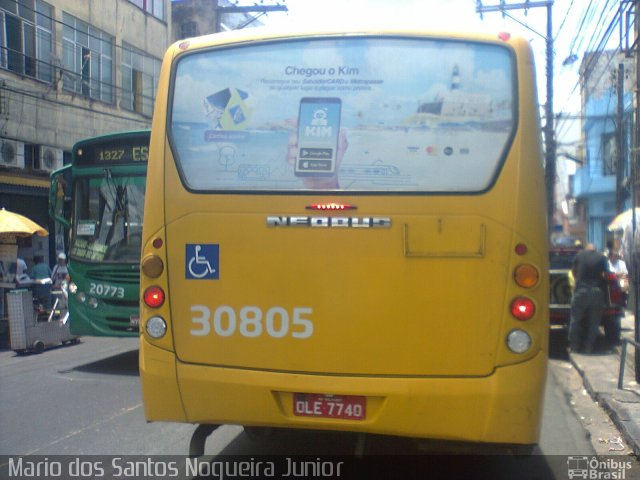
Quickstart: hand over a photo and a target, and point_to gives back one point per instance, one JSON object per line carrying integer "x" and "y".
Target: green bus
{"x": 104, "y": 187}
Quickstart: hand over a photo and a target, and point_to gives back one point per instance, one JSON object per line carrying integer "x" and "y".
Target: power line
{"x": 566, "y": 15}
{"x": 75, "y": 80}
{"x": 59, "y": 73}
{"x": 599, "y": 25}
{"x": 549, "y": 133}
{"x": 583, "y": 23}
{"x": 61, "y": 22}
{"x": 595, "y": 56}
{"x": 39, "y": 97}
{"x": 614, "y": 54}
{"x": 587, "y": 12}
{"x": 602, "y": 41}
{"x": 601, "y": 22}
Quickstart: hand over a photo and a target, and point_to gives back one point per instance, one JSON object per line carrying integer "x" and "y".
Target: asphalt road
{"x": 85, "y": 400}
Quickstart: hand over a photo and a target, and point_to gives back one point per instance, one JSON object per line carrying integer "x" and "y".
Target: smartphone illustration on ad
{"x": 318, "y": 130}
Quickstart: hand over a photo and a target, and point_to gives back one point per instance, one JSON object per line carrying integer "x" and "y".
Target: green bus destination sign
{"x": 120, "y": 152}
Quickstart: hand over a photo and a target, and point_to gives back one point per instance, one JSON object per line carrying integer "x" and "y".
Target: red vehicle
{"x": 560, "y": 263}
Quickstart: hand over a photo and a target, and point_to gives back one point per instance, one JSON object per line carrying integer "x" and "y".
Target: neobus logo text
{"x": 353, "y": 222}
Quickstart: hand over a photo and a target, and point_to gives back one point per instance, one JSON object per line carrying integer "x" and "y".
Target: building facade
{"x": 595, "y": 183}
{"x": 70, "y": 70}
{"x": 191, "y": 18}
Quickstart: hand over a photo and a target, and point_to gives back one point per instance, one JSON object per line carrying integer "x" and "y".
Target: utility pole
{"x": 629, "y": 43}
{"x": 549, "y": 130}
{"x": 620, "y": 193}
{"x": 635, "y": 264}
{"x": 629, "y": 11}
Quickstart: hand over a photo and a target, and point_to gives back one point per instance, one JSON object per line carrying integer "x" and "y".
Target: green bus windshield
{"x": 108, "y": 218}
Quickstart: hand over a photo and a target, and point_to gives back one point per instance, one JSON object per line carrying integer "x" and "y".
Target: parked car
{"x": 560, "y": 263}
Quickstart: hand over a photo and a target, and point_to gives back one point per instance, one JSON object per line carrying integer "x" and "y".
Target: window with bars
{"x": 87, "y": 60}
{"x": 189, "y": 29}
{"x": 140, "y": 74}
{"x": 26, "y": 39}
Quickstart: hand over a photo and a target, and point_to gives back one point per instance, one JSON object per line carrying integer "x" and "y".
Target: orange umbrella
{"x": 14, "y": 224}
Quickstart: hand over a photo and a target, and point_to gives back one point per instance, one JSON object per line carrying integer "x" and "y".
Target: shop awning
{"x": 21, "y": 184}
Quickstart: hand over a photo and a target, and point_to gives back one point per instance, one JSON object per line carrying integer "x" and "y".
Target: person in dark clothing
{"x": 589, "y": 270}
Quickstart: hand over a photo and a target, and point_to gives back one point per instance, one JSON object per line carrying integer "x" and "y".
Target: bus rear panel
{"x": 350, "y": 236}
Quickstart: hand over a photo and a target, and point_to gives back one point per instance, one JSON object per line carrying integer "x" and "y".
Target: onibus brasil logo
{"x": 597, "y": 468}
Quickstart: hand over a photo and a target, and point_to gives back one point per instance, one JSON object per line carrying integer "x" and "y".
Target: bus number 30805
{"x": 276, "y": 322}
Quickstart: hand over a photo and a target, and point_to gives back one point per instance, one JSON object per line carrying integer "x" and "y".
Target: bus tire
{"x": 38, "y": 346}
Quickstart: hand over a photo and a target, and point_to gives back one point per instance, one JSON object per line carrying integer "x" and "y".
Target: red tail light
{"x": 153, "y": 297}
{"x": 523, "y": 308}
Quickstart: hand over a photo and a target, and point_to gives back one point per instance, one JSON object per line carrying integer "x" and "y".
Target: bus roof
{"x": 270, "y": 33}
{"x": 112, "y": 135}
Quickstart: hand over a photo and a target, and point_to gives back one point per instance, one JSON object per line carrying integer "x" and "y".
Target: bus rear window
{"x": 349, "y": 114}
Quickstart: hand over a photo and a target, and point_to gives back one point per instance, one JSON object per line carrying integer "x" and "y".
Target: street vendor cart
{"x": 32, "y": 326}
{"x": 31, "y": 330}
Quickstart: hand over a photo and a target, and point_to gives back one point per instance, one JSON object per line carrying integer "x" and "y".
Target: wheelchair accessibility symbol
{"x": 202, "y": 261}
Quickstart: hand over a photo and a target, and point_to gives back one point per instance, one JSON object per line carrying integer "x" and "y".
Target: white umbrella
{"x": 622, "y": 220}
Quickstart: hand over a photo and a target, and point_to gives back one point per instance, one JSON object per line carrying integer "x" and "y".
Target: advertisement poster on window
{"x": 352, "y": 114}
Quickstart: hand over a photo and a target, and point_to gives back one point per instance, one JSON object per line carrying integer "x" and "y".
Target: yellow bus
{"x": 346, "y": 231}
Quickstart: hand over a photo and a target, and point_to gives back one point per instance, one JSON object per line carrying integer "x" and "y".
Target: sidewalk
{"x": 599, "y": 372}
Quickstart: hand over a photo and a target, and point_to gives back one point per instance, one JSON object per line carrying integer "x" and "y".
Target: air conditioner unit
{"x": 11, "y": 153}
{"x": 50, "y": 159}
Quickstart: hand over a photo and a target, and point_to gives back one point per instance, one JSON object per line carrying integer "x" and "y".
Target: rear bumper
{"x": 504, "y": 407}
